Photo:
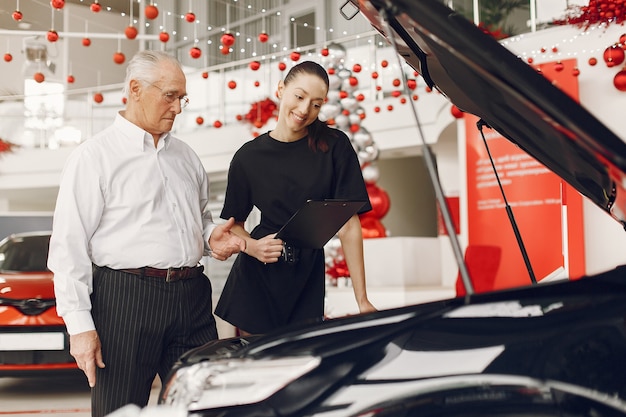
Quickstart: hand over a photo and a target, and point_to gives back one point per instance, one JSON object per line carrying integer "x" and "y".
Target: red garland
{"x": 597, "y": 11}
{"x": 260, "y": 112}
{"x": 6, "y": 146}
{"x": 497, "y": 33}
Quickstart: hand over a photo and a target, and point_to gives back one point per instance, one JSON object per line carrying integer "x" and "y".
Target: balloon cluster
{"x": 343, "y": 110}
{"x": 261, "y": 112}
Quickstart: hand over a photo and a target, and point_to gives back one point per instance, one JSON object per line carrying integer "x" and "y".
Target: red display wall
{"x": 548, "y": 212}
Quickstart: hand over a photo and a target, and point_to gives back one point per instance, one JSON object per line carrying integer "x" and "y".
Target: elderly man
{"x": 130, "y": 226}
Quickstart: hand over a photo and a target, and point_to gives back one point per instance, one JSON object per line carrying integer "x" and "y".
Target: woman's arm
{"x": 266, "y": 250}
{"x": 351, "y": 238}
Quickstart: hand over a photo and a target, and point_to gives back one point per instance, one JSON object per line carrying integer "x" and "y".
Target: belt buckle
{"x": 169, "y": 276}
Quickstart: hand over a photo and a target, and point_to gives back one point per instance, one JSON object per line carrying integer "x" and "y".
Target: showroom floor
{"x": 59, "y": 396}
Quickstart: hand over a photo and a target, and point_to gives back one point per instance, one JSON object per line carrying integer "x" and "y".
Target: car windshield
{"x": 24, "y": 253}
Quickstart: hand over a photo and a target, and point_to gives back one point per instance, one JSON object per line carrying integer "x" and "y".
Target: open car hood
{"x": 483, "y": 78}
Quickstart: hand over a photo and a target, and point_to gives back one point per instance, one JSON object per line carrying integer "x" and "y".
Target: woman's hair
{"x": 318, "y": 130}
{"x": 145, "y": 66}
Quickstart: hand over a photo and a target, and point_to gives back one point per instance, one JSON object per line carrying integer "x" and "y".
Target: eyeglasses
{"x": 171, "y": 97}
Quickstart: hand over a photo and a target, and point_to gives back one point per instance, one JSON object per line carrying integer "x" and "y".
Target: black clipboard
{"x": 316, "y": 222}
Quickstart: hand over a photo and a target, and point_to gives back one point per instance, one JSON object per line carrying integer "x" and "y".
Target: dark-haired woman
{"x": 277, "y": 172}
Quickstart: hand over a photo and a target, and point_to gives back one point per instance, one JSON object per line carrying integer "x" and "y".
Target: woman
{"x": 301, "y": 159}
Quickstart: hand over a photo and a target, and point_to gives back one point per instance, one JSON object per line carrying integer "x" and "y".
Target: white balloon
{"x": 369, "y": 153}
{"x": 334, "y": 82}
{"x": 354, "y": 119}
{"x": 342, "y": 121}
{"x": 336, "y": 55}
{"x": 363, "y": 138}
{"x": 349, "y": 103}
{"x": 331, "y": 110}
{"x": 371, "y": 173}
{"x": 332, "y": 96}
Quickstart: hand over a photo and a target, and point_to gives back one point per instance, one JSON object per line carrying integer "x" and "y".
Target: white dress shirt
{"x": 123, "y": 203}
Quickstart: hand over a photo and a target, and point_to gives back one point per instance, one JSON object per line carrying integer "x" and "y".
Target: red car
{"x": 33, "y": 339}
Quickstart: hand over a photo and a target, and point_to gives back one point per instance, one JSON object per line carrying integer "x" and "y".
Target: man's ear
{"x": 134, "y": 89}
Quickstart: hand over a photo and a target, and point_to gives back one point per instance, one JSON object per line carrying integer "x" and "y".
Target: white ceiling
{"x": 34, "y": 12}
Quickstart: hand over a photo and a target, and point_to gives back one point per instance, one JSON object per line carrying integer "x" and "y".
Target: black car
{"x": 550, "y": 349}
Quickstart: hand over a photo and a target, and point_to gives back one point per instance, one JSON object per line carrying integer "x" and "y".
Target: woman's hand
{"x": 366, "y": 307}
{"x": 267, "y": 249}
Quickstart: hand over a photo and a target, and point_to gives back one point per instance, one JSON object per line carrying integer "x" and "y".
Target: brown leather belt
{"x": 169, "y": 274}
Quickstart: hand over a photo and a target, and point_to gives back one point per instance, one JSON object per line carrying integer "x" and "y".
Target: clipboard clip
{"x": 289, "y": 254}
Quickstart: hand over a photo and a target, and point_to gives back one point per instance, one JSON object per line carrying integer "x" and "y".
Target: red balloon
{"x": 295, "y": 55}
{"x": 98, "y": 98}
{"x": 396, "y": 93}
{"x": 95, "y": 7}
{"x": 360, "y": 97}
{"x": 151, "y": 11}
{"x": 353, "y": 81}
{"x": 131, "y": 32}
{"x": 619, "y": 81}
{"x": 190, "y": 17}
{"x": 456, "y": 112}
{"x": 396, "y": 82}
{"x": 17, "y": 15}
{"x": 255, "y": 65}
{"x": 412, "y": 84}
{"x": 356, "y": 68}
{"x": 205, "y": 75}
{"x": 57, "y": 4}
{"x": 232, "y": 85}
{"x": 372, "y": 228}
{"x": 325, "y": 52}
{"x": 199, "y": 120}
{"x": 195, "y": 52}
{"x": 228, "y": 39}
{"x": 263, "y": 37}
{"x": 52, "y": 35}
{"x": 39, "y": 77}
{"x": 70, "y": 79}
{"x": 282, "y": 66}
{"x": 376, "y": 109}
{"x": 8, "y": 57}
{"x": 374, "y": 75}
{"x": 384, "y": 63}
{"x": 119, "y": 58}
{"x": 379, "y": 199}
{"x": 86, "y": 41}
{"x": 164, "y": 36}
{"x": 217, "y": 124}
{"x": 593, "y": 61}
{"x": 613, "y": 55}
{"x": 256, "y": 83}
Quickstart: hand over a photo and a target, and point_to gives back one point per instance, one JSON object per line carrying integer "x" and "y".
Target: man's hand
{"x": 224, "y": 243}
{"x": 86, "y": 349}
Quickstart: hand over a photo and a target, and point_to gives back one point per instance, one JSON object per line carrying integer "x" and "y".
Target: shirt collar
{"x": 139, "y": 137}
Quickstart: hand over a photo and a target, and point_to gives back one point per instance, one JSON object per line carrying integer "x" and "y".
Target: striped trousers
{"x": 145, "y": 324}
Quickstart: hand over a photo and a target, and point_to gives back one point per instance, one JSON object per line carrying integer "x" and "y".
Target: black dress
{"x": 279, "y": 177}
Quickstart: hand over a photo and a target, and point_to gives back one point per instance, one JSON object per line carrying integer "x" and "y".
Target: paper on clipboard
{"x": 317, "y": 221}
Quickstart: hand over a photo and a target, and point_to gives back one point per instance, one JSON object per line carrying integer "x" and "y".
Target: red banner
{"x": 550, "y": 224}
